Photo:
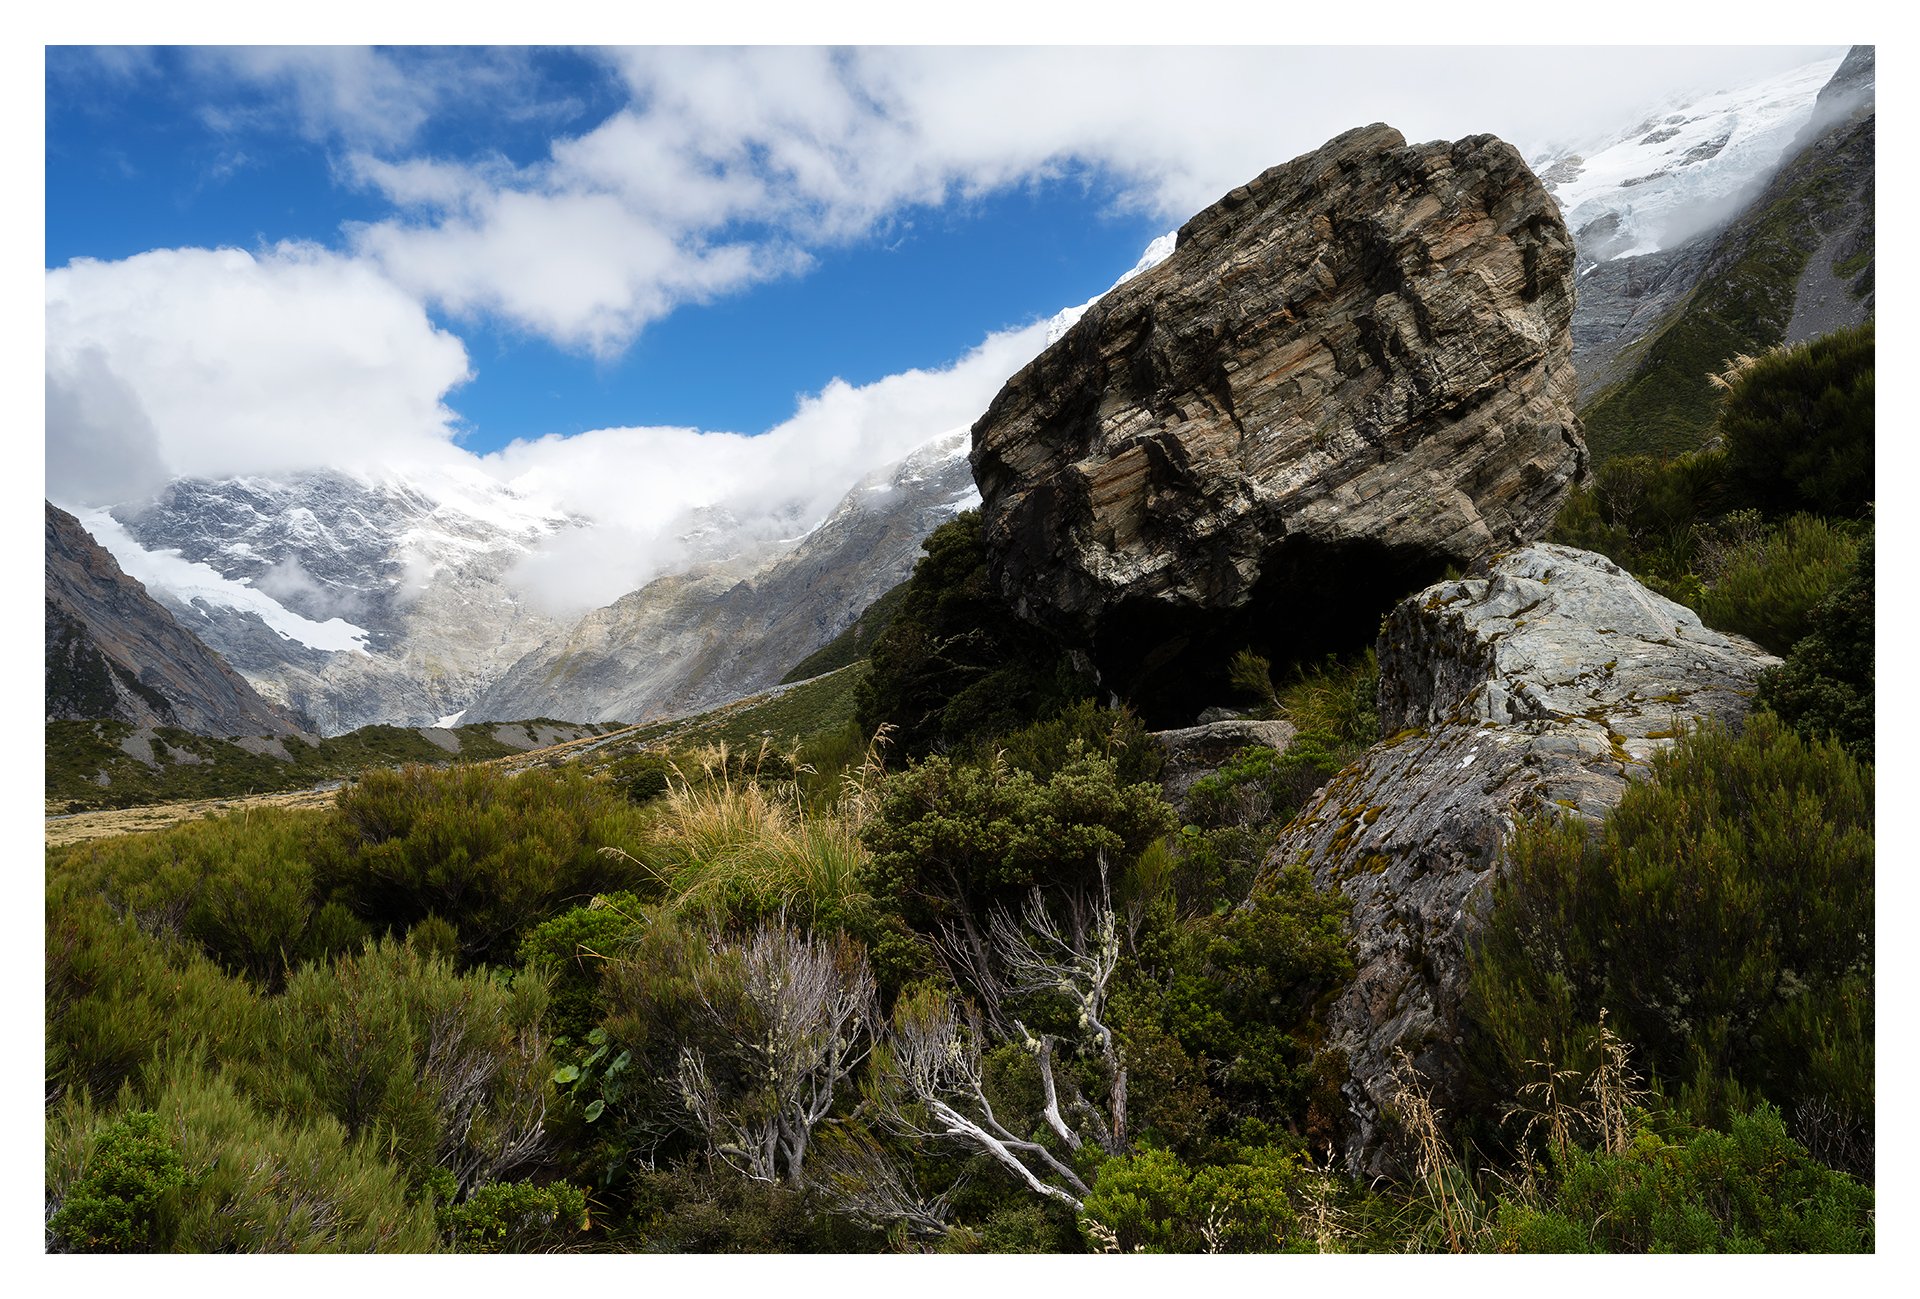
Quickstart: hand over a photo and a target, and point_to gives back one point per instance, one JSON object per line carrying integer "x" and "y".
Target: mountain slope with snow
{"x": 1684, "y": 168}
{"x": 351, "y": 599}
{"x": 112, "y": 651}
{"x": 698, "y": 638}
{"x": 1794, "y": 261}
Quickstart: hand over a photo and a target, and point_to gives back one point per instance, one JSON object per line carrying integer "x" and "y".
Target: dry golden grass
{"x": 82, "y": 826}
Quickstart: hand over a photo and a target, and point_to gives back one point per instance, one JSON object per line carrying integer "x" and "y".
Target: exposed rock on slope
{"x": 1352, "y": 372}
{"x": 1545, "y": 684}
{"x": 1195, "y": 752}
{"x": 719, "y": 631}
{"x": 113, "y": 652}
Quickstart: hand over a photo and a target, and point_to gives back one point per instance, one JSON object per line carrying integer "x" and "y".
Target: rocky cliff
{"x": 1353, "y": 372}
{"x": 114, "y": 652}
{"x": 1541, "y": 685}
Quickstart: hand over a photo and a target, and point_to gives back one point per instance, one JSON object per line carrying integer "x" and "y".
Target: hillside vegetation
{"x": 1742, "y": 304}
{"x": 106, "y": 764}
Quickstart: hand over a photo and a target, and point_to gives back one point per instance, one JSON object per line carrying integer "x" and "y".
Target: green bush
{"x": 1259, "y": 784}
{"x": 1230, "y": 1001}
{"x": 1151, "y": 1202}
{"x": 1723, "y": 916}
{"x": 442, "y": 1070}
{"x": 1644, "y": 513}
{"x": 952, "y": 838}
{"x": 1750, "y": 1189}
{"x": 956, "y": 664}
{"x": 241, "y": 887}
{"x": 125, "y": 1200}
{"x": 571, "y": 948}
{"x": 1798, "y": 427}
{"x": 1768, "y": 589}
{"x": 1048, "y": 745}
{"x": 252, "y": 1182}
{"x": 115, "y": 995}
{"x": 515, "y": 1218}
{"x": 491, "y": 854}
{"x": 1825, "y": 687}
{"x": 1336, "y": 701}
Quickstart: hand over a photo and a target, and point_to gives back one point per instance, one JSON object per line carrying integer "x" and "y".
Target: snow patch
{"x": 169, "y": 572}
{"x": 1684, "y": 168}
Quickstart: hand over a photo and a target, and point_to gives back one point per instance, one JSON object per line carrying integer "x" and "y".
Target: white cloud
{"x": 651, "y": 491}
{"x": 214, "y": 362}
{"x": 729, "y": 164}
{"x": 350, "y": 92}
{"x": 725, "y": 168}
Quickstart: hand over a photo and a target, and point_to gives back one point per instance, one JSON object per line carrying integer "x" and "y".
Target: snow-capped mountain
{"x": 1683, "y": 168}
{"x": 719, "y": 630}
{"x": 350, "y": 598}
{"x": 400, "y": 596}
{"x": 1667, "y": 210}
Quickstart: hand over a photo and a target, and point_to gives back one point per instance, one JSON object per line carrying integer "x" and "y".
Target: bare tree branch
{"x": 801, "y": 1025}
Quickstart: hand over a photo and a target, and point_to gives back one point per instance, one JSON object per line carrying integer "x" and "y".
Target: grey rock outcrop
{"x": 1542, "y": 686}
{"x": 1357, "y": 363}
{"x": 1195, "y": 752}
{"x": 114, "y": 652}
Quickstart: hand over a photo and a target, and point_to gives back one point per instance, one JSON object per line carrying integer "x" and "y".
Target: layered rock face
{"x": 1542, "y": 686}
{"x": 1352, "y": 372}
{"x": 114, "y": 652}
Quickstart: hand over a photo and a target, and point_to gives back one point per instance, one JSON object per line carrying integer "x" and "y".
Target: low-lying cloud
{"x": 659, "y": 498}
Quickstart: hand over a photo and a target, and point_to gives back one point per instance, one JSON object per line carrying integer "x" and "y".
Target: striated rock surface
{"x": 1546, "y": 683}
{"x": 1352, "y": 372}
{"x": 114, "y": 652}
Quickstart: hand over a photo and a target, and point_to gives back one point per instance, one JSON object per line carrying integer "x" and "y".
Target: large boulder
{"x": 1353, "y": 372}
{"x": 1541, "y": 686}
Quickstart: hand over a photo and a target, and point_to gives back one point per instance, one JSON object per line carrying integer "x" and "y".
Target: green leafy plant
{"x": 515, "y": 1218}
{"x": 126, "y": 1197}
